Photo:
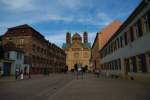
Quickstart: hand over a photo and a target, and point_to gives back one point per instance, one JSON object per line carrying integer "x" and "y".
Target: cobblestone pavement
{"x": 68, "y": 87}
{"x": 39, "y": 87}
{"x": 92, "y": 88}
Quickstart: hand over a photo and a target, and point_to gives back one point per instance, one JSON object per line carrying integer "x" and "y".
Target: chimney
{"x": 85, "y": 37}
{"x": 68, "y": 39}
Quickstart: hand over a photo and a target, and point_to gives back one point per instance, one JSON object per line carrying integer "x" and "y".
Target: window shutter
{"x": 140, "y": 28}
{"x": 131, "y": 34}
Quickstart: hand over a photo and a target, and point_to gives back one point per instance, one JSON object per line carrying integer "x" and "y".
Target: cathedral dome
{"x": 76, "y": 38}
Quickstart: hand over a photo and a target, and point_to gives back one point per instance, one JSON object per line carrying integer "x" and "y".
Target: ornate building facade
{"x": 77, "y": 51}
{"x": 40, "y": 54}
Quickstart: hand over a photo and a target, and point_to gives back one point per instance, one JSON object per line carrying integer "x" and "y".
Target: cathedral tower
{"x": 68, "y": 39}
{"x": 85, "y": 37}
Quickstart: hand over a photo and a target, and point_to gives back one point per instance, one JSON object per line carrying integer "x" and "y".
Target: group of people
{"x": 79, "y": 70}
{"x": 20, "y": 74}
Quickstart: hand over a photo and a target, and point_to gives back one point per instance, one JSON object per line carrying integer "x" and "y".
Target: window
{"x": 148, "y": 14}
{"x": 7, "y": 55}
{"x": 128, "y": 36}
{"x": 118, "y": 43}
{"x": 139, "y": 27}
{"x": 19, "y": 55}
{"x": 131, "y": 34}
{"x": 133, "y": 64}
{"x": 113, "y": 65}
{"x": 146, "y": 24}
{"x": 110, "y": 65}
{"x": 85, "y": 54}
{"x": 119, "y": 64}
{"x": 115, "y": 44}
{"x": 116, "y": 68}
{"x": 121, "y": 40}
{"x": 142, "y": 63}
{"x": 125, "y": 38}
{"x": 109, "y": 49}
{"x": 21, "y": 41}
{"x": 127, "y": 66}
{"x": 76, "y": 55}
{"x": 136, "y": 31}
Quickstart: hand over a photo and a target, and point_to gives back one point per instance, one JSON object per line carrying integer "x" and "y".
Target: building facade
{"x": 13, "y": 59}
{"x": 127, "y": 53}
{"x": 95, "y": 53}
{"x": 40, "y": 54}
{"x": 100, "y": 40}
{"x": 78, "y": 51}
{"x": 1, "y": 49}
{"x": 1, "y": 55}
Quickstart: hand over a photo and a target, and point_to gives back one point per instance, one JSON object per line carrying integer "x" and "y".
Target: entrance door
{"x": 7, "y": 69}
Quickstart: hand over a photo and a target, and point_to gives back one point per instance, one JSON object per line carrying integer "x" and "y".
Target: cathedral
{"x": 78, "y": 52}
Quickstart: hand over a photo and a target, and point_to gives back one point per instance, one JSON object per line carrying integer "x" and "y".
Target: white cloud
{"x": 103, "y": 18}
{"x": 58, "y": 39}
{"x": 70, "y": 4}
{"x": 17, "y": 4}
{"x": 34, "y": 11}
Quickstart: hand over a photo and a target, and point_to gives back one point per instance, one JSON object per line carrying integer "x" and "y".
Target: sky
{"x": 53, "y": 18}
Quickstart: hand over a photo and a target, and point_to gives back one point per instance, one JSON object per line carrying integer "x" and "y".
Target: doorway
{"x": 7, "y": 69}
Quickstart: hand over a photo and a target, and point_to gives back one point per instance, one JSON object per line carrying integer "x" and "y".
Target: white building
{"x": 13, "y": 59}
{"x": 127, "y": 53}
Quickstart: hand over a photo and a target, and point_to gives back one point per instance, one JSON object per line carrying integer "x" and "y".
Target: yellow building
{"x": 78, "y": 51}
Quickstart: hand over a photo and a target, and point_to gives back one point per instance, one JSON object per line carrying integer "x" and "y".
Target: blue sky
{"x": 53, "y": 18}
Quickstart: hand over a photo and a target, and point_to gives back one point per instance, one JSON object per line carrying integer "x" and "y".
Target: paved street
{"x": 37, "y": 88}
{"x": 68, "y": 87}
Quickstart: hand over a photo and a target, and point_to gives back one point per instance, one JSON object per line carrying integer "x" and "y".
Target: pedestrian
{"x": 21, "y": 77}
{"x": 16, "y": 73}
{"x": 97, "y": 73}
{"x": 79, "y": 71}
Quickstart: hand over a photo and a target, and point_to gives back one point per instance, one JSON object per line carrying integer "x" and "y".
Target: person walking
{"x": 97, "y": 73}
{"x": 21, "y": 77}
{"x": 83, "y": 72}
{"x": 16, "y": 73}
{"x": 79, "y": 71}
